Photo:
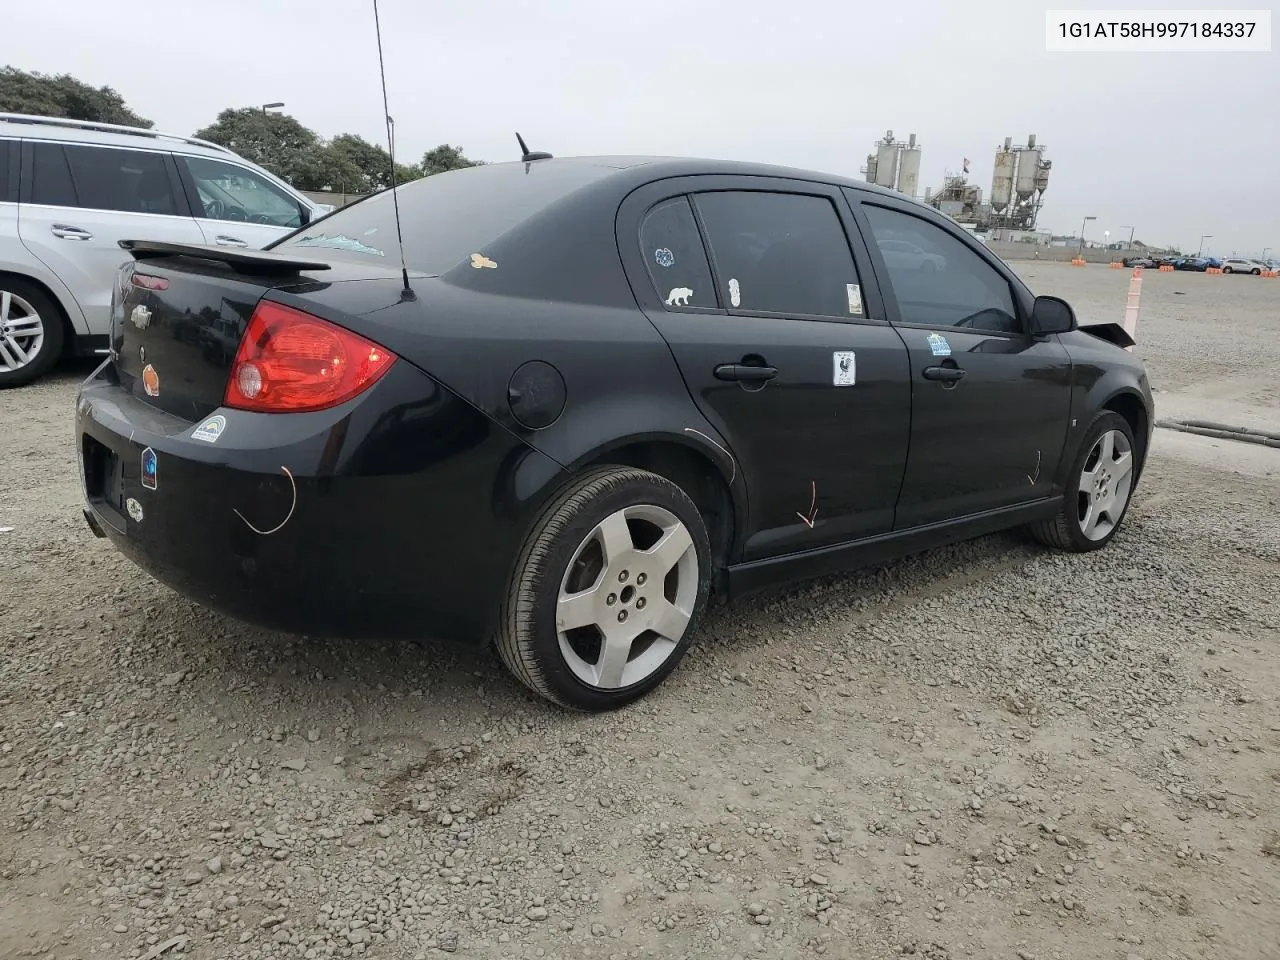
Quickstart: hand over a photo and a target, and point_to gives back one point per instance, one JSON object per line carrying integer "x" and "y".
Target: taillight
{"x": 291, "y": 362}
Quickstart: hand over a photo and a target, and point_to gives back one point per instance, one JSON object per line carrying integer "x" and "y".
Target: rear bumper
{"x": 396, "y": 514}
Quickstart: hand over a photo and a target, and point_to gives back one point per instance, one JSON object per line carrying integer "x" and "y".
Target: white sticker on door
{"x": 735, "y": 292}
{"x": 855, "y": 298}
{"x": 845, "y": 368}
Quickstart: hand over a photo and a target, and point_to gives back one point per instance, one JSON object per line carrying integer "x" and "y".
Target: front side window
{"x": 131, "y": 181}
{"x": 937, "y": 280}
{"x": 230, "y": 192}
{"x": 674, "y": 254}
{"x": 781, "y": 253}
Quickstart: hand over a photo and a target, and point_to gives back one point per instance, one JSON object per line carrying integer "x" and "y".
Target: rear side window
{"x": 51, "y": 177}
{"x": 675, "y": 256}
{"x": 133, "y": 181}
{"x": 781, "y": 253}
{"x": 8, "y": 165}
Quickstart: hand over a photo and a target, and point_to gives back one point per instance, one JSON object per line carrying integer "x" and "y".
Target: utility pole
{"x": 1130, "y": 247}
{"x": 1080, "y": 248}
{"x": 1200, "y": 252}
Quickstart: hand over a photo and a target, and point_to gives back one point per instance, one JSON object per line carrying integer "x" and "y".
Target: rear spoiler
{"x": 240, "y": 259}
{"x": 1111, "y": 332}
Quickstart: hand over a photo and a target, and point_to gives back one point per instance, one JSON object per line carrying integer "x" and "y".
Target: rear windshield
{"x": 446, "y": 217}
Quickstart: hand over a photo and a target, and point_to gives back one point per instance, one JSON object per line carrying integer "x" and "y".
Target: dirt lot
{"x": 988, "y": 751}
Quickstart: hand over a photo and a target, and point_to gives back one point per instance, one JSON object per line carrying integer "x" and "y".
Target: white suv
{"x": 71, "y": 190}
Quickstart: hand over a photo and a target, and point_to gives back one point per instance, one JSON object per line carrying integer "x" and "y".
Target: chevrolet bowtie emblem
{"x": 141, "y": 316}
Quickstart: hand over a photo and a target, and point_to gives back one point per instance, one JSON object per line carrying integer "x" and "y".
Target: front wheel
{"x": 1227, "y": 270}
{"x": 1097, "y": 497}
{"x": 608, "y": 590}
{"x": 1256, "y": 271}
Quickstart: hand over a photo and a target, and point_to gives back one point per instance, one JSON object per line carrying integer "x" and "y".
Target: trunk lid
{"x": 179, "y": 311}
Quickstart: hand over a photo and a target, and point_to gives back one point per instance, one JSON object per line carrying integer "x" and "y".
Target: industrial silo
{"x": 887, "y": 160}
{"x": 1042, "y": 175}
{"x": 1002, "y": 178}
{"x": 1028, "y": 167}
{"x": 909, "y": 168}
{"x": 871, "y": 168}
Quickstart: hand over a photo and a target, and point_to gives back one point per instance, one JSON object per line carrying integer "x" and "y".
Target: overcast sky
{"x": 1177, "y": 144}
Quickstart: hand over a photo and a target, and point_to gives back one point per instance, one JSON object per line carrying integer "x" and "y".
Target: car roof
{"x": 32, "y": 127}
{"x": 662, "y": 167}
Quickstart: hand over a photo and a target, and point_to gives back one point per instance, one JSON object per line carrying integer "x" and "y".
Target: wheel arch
{"x": 1128, "y": 404}
{"x": 64, "y": 315}
{"x": 700, "y": 466}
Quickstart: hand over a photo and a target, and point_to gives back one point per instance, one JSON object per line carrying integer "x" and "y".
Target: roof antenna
{"x": 407, "y": 293}
{"x": 528, "y": 157}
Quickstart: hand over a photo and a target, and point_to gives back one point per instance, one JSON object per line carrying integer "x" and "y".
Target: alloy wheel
{"x": 21, "y": 331}
{"x": 1105, "y": 484}
{"x": 627, "y": 597}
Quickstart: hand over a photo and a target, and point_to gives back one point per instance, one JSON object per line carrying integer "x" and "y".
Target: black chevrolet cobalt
{"x": 582, "y": 398}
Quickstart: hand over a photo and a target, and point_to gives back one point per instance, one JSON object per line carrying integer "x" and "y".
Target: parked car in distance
{"x": 584, "y": 398}
{"x": 1145, "y": 262}
{"x": 1197, "y": 264}
{"x": 71, "y": 190}
{"x": 904, "y": 255}
{"x": 1242, "y": 265}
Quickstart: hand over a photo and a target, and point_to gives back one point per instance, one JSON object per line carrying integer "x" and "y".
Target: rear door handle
{"x": 745, "y": 372}
{"x": 945, "y": 374}
{"x": 70, "y": 233}
{"x": 224, "y": 241}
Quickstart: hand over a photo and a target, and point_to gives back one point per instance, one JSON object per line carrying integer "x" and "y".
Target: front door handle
{"x": 945, "y": 374}
{"x": 223, "y": 240}
{"x": 745, "y": 372}
{"x": 70, "y": 233}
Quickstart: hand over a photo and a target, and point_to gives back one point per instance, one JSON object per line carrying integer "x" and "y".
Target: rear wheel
{"x": 1097, "y": 498}
{"x": 608, "y": 590}
{"x": 31, "y": 332}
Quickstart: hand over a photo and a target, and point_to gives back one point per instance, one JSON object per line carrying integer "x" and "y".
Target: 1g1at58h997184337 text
{"x": 1158, "y": 31}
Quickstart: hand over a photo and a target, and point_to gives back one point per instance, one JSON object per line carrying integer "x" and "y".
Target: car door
{"x": 79, "y": 200}
{"x": 236, "y": 206}
{"x": 753, "y": 284}
{"x": 990, "y": 403}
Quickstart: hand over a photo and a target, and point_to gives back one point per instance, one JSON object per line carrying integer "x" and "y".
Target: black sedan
{"x": 582, "y": 398}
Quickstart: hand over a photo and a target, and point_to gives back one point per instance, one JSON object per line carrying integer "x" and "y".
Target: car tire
{"x": 1257, "y": 271}
{"x": 20, "y": 301}
{"x": 565, "y": 574}
{"x": 1069, "y": 529}
{"x": 1227, "y": 270}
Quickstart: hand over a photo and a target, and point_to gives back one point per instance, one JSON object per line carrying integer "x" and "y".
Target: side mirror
{"x": 307, "y": 215}
{"x": 1052, "y": 315}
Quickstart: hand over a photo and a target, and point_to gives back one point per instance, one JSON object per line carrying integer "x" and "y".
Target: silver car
{"x": 1242, "y": 265}
{"x": 70, "y": 190}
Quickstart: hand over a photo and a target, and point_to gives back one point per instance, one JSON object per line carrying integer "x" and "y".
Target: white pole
{"x": 1131, "y": 308}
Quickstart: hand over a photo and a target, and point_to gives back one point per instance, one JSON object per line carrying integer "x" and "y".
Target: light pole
{"x": 1125, "y": 226}
{"x": 1080, "y": 248}
{"x": 270, "y": 106}
{"x": 1106, "y": 239}
{"x": 1200, "y": 252}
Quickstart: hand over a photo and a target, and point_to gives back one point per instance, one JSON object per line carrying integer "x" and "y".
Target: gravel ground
{"x": 987, "y": 751}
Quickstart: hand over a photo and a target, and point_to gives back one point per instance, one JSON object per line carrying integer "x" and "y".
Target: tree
{"x": 63, "y": 96}
{"x": 444, "y": 158}
{"x": 370, "y": 161}
{"x": 275, "y": 141}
